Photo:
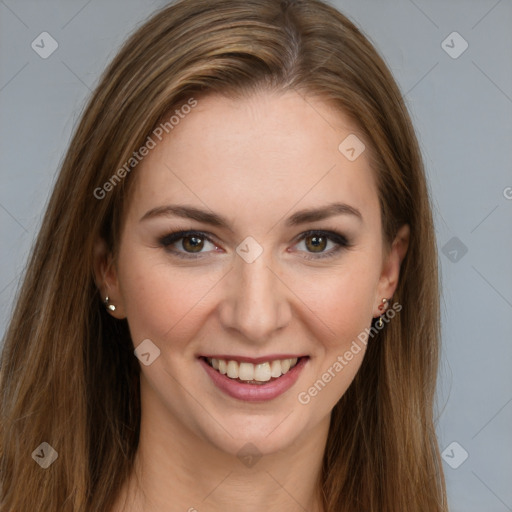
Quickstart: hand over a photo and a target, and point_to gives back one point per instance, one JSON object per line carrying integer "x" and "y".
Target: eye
{"x": 186, "y": 244}
{"x": 316, "y": 243}
{"x": 190, "y": 244}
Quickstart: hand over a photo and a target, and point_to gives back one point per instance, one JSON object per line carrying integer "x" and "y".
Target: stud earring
{"x": 111, "y": 307}
{"x": 381, "y": 307}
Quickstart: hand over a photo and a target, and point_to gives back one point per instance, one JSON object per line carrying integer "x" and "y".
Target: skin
{"x": 255, "y": 161}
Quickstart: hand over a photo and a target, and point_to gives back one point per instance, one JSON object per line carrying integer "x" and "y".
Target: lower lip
{"x": 255, "y": 392}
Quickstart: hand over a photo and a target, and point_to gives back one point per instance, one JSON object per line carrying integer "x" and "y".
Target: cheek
{"x": 342, "y": 299}
{"x": 161, "y": 300}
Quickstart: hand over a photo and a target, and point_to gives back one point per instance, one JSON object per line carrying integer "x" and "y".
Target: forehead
{"x": 261, "y": 154}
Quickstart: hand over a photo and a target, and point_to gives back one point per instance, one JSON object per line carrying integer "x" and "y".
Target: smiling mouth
{"x": 249, "y": 373}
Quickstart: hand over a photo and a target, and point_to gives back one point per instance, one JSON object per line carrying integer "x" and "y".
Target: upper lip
{"x": 253, "y": 360}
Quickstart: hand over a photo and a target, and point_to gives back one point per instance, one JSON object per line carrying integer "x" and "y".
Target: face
{"x": 281, "y": 269}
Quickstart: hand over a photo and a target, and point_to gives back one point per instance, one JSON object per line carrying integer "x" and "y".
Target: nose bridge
{"x": 257, "y": 302}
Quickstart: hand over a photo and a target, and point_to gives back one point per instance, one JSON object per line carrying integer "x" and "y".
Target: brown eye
{"x": 316, "y": 243}
{"x": 189, "y": 244}
{"x": 322, "y": 244}
{"x": 192, "y": 243}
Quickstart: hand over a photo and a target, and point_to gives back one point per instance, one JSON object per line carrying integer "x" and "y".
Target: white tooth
{"x": 275, "y": 369}
{"x": 246, "y": 371}
{"x": 233, "y": 370}
{"x": 285, "y": 365}
{"x": 262, "y": 372}
{"x": 223, "y": 366}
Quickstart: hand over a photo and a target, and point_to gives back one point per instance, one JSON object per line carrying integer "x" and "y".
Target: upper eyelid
{"x": 188, "y": 233}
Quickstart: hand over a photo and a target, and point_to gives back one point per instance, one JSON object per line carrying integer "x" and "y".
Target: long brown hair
{"x": 68, "y": 375}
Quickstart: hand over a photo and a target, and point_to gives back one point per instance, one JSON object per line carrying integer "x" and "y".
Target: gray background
{"x": 462, "y": 110}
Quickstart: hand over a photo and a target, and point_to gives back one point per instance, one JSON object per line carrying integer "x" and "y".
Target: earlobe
{"x": 105, "y": 277}
{"x": 388, "y": 281}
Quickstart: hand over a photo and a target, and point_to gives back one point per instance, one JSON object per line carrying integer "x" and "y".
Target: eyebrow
{"x": 300, "y": 217}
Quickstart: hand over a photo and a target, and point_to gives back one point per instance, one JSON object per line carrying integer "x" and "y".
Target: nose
{"x": 256, "y": 302}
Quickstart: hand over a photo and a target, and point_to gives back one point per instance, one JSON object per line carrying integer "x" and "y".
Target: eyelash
{"x": 339, "y": 239}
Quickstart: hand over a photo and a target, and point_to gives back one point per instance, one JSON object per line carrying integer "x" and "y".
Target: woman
{"x": 232, "y": 303}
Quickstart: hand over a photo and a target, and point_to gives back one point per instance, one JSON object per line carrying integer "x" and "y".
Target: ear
{"x": 388, "y": 280}
{"x": 105, "y": 277}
